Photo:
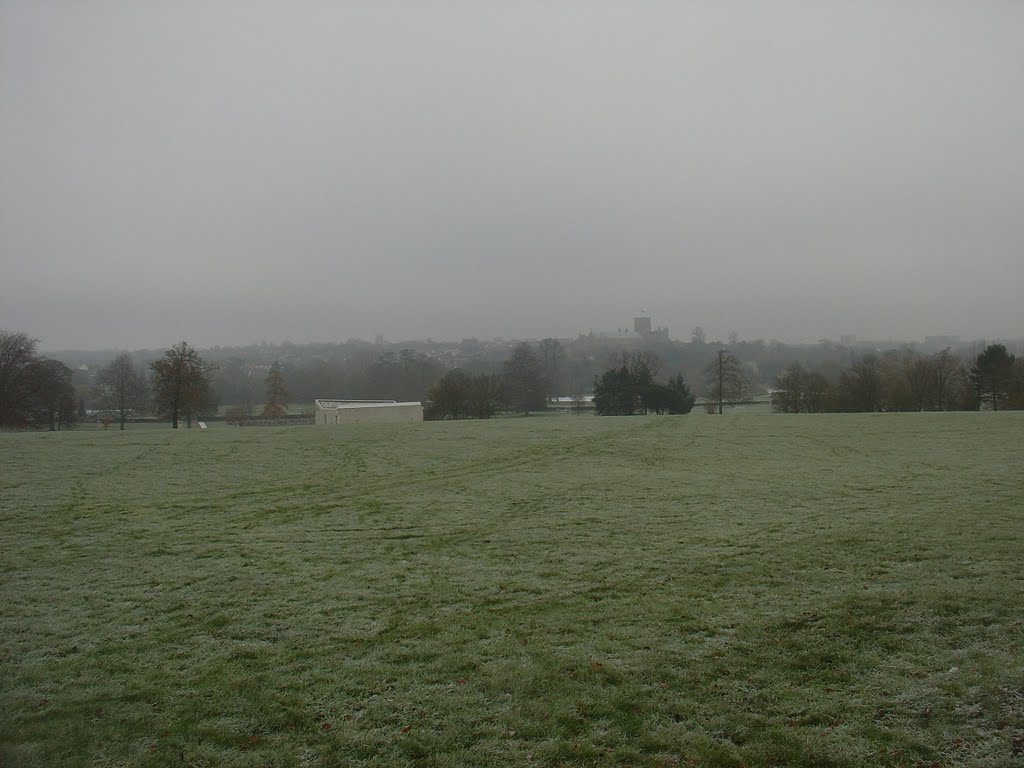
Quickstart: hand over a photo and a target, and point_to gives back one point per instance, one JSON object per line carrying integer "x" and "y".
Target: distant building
{"x": 848, "y": 339}
{"x": 329, "y": 412}
{"x": 642, "y": 332}
{"x": 940, "y": 342}
{"x": 658, "y": 334}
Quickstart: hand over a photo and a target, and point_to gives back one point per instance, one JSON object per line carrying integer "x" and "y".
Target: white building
{"x": 355, "y": 411}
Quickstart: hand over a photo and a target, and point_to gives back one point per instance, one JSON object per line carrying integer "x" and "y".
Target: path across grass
{"x": 750, "y": 589}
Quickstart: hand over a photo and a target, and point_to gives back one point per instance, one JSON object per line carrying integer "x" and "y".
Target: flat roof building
{"x": 333, "y": 411}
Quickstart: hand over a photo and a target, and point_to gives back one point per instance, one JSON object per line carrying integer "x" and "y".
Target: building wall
{"x": 391, "y": 414}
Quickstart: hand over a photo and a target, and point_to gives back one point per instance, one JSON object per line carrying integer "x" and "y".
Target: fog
{"x": 226, "y": 172}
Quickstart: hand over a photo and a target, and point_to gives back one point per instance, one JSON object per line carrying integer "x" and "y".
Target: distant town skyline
{"x": 226, "y": 172}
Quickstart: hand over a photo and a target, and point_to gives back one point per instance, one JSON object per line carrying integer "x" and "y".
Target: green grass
{"x": 841, "y": 590}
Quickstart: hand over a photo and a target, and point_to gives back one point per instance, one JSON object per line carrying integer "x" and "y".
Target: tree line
{"x": 521, "y": 387}
{"x": 628, "y": 386}
{"x": 905, "y": 381}
{"x": 180, "y": 386}
{"x": 37, "y": 392}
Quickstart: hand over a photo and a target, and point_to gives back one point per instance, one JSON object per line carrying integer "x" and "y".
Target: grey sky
{"x": 231, "y": 171}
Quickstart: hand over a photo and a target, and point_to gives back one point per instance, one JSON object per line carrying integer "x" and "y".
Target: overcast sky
{"x": 226, "y": 172}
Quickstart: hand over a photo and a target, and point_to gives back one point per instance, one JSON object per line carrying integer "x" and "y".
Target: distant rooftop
{"x": 335, "y": 404}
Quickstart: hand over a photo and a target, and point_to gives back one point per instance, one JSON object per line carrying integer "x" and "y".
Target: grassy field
{"x": 842, "y": 590}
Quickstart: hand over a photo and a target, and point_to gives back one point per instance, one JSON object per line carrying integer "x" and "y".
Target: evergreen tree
{"x": 992, "y": 374}
{"x": 614, "y": 393}
{"x": 628, "y": 386}
{"x": 683, "y": 399}
{"x": 277, "y": 394}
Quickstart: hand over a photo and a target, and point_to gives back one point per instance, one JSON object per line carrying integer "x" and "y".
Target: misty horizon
{"x": 227, "y": 172}
{"x": 713, "y": 340}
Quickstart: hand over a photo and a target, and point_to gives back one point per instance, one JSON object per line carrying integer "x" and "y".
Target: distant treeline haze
{"x": 474, "y": 379}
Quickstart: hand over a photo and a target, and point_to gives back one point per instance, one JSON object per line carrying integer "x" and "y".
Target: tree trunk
{"x": 719, "y": 383}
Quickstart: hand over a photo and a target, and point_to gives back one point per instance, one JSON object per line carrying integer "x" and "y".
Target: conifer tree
{"x": 277, "y": 394}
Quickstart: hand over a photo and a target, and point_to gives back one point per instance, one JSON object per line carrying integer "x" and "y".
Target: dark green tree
{"x": 684, "y": 398}
{"x": 1015, "y": 396}
{"x": 628, "y": 386}
{"x": 276, "y": 405}
{"x": 992, "y": 374}
{"x": 449, "y": 397}
{"x": 614, "y": 393}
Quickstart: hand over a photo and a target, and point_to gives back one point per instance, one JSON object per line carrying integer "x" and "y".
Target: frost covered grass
{"x": 716, "y": 591}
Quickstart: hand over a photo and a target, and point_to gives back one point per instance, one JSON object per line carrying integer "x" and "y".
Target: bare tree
{"x": 919, "y": 376}
{"x": 861, "y": 386}
{"x": 798, "y": 390}
{"x": 551, "y": 354}
{"x": 579, "y": 402}
{"x": 53, "y": 394}
{"x": 17, "y": 357}
{"x": 724, "y": 380}
{"x": 484, "y": 395}
{"x": 950, "y": 377}
{"x": 122, "y": 390}
{"x": 34, "y": 390}
{"x": 524, "y": 379}
{"x": 644, "y": 366}
{"x": 181, "y": 383}
{"x": 449, "y": 397}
